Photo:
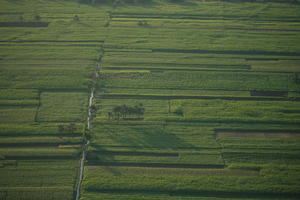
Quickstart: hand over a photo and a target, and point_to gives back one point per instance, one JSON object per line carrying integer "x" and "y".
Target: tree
{"x": 116, "y": 111}
{"x": 178, "y": 111}
{"x": 123, "y": 111}
{"x": 110, "y": 115}
{"x": 37, "y": 18}
{"x": 72, "y": 127}
{"x": 296, "y": 77}
{"x": 76, "y": 18}
{"x": 143, "y": 23}
{"x": 61, "y": 128}
{"x": 93, "y": 110}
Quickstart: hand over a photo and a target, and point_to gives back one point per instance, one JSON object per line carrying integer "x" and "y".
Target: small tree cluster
{"x": 37, "y": 18}
{"x": 179, "y": 111}
{"x": 70, "y": 128}
{"x": 93, "y": 110}
{"x": 76, "y": 18}
{"x": 143, "y": 23}
{"x": 296, "y": 77}
{"x": 124, "y": 111}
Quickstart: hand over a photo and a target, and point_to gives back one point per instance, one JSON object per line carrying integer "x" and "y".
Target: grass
{"x": 166, "y": 92}
{"x": 15, "y": 94}
{"x": 153, "y": 136}
{"x": 37, "y": 179}
{"x": 37, "y": 129}
{"x": 187, "y": 185}
{"x": 13, "y": 153}
{"x": 39, "y": 140}
{"x": 14, "y": 115}
{"x": 204, "y": 110}
{"x": 166, "y": 55}
{"x": 62, "y": 107}
{"x": 201, "y": 80}
{"x": 143, "y": 196}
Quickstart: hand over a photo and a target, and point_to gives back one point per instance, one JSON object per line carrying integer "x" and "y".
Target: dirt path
{"x": 84, "y": 148}
{"x": 89, "y": 118}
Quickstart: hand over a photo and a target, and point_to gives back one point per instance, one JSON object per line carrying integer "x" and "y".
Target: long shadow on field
{"x": 152, "y": 137}
{"x": 93, "y": 156}
{"x": 145, "y": 3}
{"x": 184, "y": 3}
{"x": 137, "y": 141}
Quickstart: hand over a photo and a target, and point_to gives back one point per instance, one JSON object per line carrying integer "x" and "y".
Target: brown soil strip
{"x": 157, "y": 165}
{"x": 24, "y": 24}
{"x": 41, "y": 134}
{"x": 258, "y": 134}
{"x": 269, "y": 93}
{"x": 166, "y": 64}
{"x": 41, "y": 157}
{"x": 229, "y": 52}
{"x": 51, "y": 41}
{"x": 38, "y": 145}
{"x": 117, "y": 15}
{"x": 209, "y": 28}
{"x": 155, "y": 69}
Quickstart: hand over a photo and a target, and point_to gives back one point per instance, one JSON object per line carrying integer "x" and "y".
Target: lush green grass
{"x": 268, "y": 111}
{"x": 140, "y": 59}
{"x": 45, "y": 73}
{"x": 152, "y": 51}
{"x": 39, "y": 140}
{"x": 176, "y": 93}
{"x": 205, "y": 110}
{"x": 62, "y": 106}
{"x": 107, "y": 179}
{"x": 37, "y": 179}
{"x": 39, "y": 153}
{"x": 15, "y": 94}
{"x": 144, "y": 196}
{"x": 153, "y": 136}
{"x": 37, "y": 77}
{"x": 37, "y": 129}
{"x": 14, "y": 115}
{"x": 201, "y": 80}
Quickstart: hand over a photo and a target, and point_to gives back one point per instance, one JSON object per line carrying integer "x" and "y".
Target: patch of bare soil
{"x": 254, "y": 134}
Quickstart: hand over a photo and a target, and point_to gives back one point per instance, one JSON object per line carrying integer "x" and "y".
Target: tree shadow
{"x": 97, "y": 155}
{"x": 151, "y": 137}
{"x": 183, "y": 2}
{"x": 119, "y": 3}
{"x": 135, "y": 140}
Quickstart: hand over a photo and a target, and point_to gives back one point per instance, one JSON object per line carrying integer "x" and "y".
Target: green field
{"x": 176, "y": 99}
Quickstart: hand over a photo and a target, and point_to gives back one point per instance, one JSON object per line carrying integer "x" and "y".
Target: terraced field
{"x": 158, "y": 99}
{"x": 47, "y": 61}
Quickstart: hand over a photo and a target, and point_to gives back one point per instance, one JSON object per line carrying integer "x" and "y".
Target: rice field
{"x": 192, "y": 99}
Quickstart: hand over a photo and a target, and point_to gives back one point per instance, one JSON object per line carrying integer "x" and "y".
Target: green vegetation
{"x": 32, "y": 179}
{"x": 47, "y": 59}
{"x": 62, "y": 107}
{"x": 192, "y": 99}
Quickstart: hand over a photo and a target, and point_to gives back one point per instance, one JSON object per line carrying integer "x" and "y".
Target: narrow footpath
{"x": 84, "y": 147}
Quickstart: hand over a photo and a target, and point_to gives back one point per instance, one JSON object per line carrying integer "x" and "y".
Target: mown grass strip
{"x": 166, "y": 97}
